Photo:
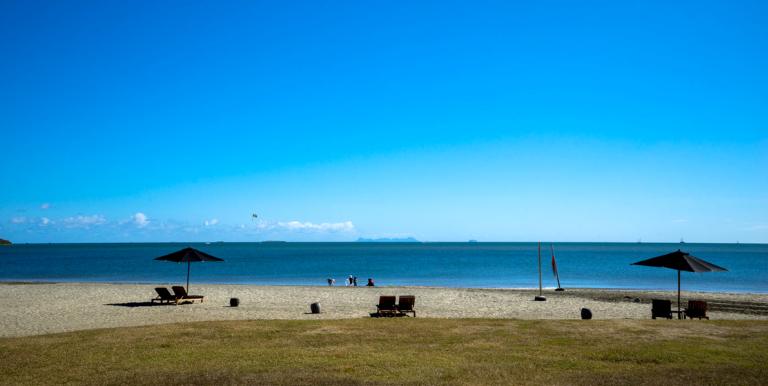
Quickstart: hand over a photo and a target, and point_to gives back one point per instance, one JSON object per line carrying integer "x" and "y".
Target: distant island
{"x": 5, "y": 242}
{"x": 388, "y": 240}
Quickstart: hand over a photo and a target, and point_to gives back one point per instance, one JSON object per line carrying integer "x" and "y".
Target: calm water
{"x": 597, "y": 265}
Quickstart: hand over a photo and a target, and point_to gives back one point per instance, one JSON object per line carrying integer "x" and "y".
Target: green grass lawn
{"x": 397, "y": 351}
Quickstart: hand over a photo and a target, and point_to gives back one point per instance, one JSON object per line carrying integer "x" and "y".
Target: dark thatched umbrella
{"x": 188, "y": 255}
{"x": 681, "y": 261}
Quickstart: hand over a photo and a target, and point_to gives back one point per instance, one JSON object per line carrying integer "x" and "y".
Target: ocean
{"x": 481, "y": 265}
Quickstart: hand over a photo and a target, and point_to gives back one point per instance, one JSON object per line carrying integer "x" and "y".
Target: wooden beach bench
{"x": 181, "y": 295}
{"x": 163, "y": 295}
{"x": 387, "y": 306}
{"x": 405, "y": 305}
{"x": 696, "y": 309}
{"x": 661, "y": 308}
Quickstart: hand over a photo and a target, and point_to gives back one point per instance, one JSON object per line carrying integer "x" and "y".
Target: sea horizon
{"x": 547, "y": 242}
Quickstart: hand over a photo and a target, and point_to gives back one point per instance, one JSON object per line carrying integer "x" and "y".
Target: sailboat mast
{"x": 540, "y": 293}
{"x": 554, "y": 265}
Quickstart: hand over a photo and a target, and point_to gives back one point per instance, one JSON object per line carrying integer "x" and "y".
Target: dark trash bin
{"x": 586, "y": 313}
{"x": 315, "y": 308}
{"x": 234, "y": 302}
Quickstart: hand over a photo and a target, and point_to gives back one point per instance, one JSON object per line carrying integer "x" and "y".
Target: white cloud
{"x": 140, "y": 219}
{"x": 84, "y": 221}
{"x": 194, "y": 230}
{"x": 345, "y": 226}
{"x": 98, "y": 227}
{"x": 45, "y": 205}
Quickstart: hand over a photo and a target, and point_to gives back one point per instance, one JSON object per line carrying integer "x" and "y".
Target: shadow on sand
{"x": 139, "y": 304}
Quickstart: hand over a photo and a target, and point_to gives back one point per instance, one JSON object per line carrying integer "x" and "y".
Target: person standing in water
{"x": 370, "y": 283}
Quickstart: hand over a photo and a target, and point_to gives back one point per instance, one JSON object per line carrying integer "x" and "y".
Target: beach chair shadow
{"x": 164, "y": 297}
{"x": 134, "y": 304}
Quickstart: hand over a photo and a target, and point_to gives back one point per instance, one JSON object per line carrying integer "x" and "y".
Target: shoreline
{"x": 546, "y": 289}
{"x": 278, "y": 242}
{"x": 44, "y": 308}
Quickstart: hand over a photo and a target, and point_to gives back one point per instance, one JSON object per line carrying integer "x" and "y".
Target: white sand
{"x": 49, "y": 308}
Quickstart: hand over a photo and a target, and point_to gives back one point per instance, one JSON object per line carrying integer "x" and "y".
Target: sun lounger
{"x": 406, "y": 305}
{"x": 181, "y": 295}
{"x": 661, "y": 309}
{"x": 163, "y": 295}
{"x": 696, "y": 309}
{"x": 387, "y": 306}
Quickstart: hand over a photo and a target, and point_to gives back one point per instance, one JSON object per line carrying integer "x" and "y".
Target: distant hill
{"x": 4, "y": 242}
{"x": 388, "y": 240}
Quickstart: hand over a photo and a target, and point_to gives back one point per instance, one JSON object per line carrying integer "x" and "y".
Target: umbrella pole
{"x": 188, "y": 264}
{"x": 678, "y": 294}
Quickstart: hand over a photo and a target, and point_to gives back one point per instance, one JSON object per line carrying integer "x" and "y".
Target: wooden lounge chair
{"x": 406, "y": 305}
{"x": 661, "y": 308}
{"x": 387, "y": 306}
{"x": 163, "y": 295}
{"x": 696, "y": 309}
{"x": 182, "y": 296}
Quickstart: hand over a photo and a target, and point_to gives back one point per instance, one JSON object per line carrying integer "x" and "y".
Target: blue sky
{"x": 496, "y": 121}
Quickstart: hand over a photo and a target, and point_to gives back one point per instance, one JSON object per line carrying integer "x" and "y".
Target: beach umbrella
{"x": 188, "y": 255}
{"x": 680, "y": 261}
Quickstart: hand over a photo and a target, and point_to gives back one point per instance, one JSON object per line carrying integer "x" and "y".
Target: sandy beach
{"x": 34, "y": 309}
